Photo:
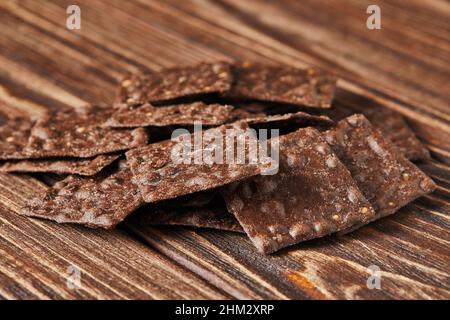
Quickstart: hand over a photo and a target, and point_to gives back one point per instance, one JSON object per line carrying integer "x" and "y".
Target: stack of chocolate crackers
{"x": 335, "y": 171}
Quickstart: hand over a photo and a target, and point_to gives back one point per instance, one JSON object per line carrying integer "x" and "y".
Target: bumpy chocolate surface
{"x": 394, "y": 127}
{"x": 308, "y": 87}
{"x": 180, "y": 114}
{"x": 175, "y": 83}
{"x": 14, "y": 134}
{"x": 80, "y": 133}
{"x": 312, "y": 195}
{"x": 386, "y": 178}
{"x": 83, "y": 167}
{"x": 159, "y": 177}
{"x": 101, "y": 201}
{"x": 391, "y": 124}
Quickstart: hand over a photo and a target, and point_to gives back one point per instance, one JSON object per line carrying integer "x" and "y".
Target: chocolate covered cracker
{"x": 180, "y": 114}
{"x": 307, "y": 87}
{"x": 175, "y": 83}
{"x": 211, "y": 217}
{"x": 80, "y": 166}
{"x": 385, "y": 177}
{"x": 80, "y": 133}
{"x": 244, "y": 111}
{"x": 101, "y": 201}
{"x": 391, "y": 124}
{"x": 170, "y": 169}
{"x": 14, "y": 134}
{"x": 312, "y": 195}
{"x": 241, "y": 114}
{"x": 394, "y": 127}
{"x": 293, "y": 120}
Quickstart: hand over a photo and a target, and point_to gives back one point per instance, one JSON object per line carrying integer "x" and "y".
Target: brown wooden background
{"x": 404, "y": 66}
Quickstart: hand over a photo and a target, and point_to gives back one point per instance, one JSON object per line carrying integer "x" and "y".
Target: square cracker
{"x": 312, "y": 195}
{"x": 14, "y": 134}
{"x": 307, "y": 87}
{"x": 159, "y": 177}
{"x": 101, "y": 201}
{"x": 143, "y": 115}
{"x": 391, "y": 124}
{"x": 80, "y": 166}
{"x": 385, "y": 177}
{"x": 80, "y": 133}
{"x": 176, "y": 83}
{"x": 394, "y": 127}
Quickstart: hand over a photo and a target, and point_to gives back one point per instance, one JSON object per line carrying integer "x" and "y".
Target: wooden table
{"x": 404, "y": 66}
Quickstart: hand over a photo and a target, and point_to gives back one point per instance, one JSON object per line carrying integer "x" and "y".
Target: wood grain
{"x": 411, "y": 248}
{"x": 404, "y": 67}
{"x": 35, "y": 256}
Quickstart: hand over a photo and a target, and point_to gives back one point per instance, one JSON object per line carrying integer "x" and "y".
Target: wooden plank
{"x": 315, "y": 282}
{"x": 379, "y": 59}
{"x": 411, "y": 249}
{"x": 243, "y": 34}
{"x": 35, "y": 256}
{"x": 403, "y": 67}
